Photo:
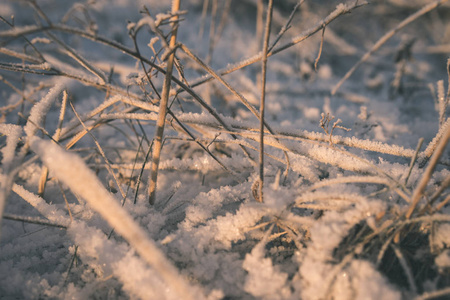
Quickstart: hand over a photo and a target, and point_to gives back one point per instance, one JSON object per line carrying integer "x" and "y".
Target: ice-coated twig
{"x": 39, "y": 110}
{"x": 54, "y": 215}
{"x": 8, "y": 162}
{"x": 35, "y": 122}
{"x": 21, "y": 56}
{"x": 13, "y": 134}
{"x": 326, "y": 196}
{"x": 280, "y": 133}
{"x": 427, "y": 8}
{"x": 351, "y": 179}
{"x": 56, "y": 136}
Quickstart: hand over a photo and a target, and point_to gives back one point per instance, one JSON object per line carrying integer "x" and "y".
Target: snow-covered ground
{"x": 356, "y": 171}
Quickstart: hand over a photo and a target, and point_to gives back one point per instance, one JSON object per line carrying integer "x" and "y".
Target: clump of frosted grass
{"x": 348, "y": 206}
{"x": 72, "y": 171}
{"x": 264, "y": 281}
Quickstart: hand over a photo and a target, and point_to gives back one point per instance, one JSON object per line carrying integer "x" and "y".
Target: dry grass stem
{"x": 419, "y": 190}
{"x": 340, "y": 10}
{"x": 356, "y": 205}
{"x": 100, "y": 150}
{"x": 156, "y": 153}
{"x": 414, "y": 159}
{"x": 263, "y": 98}
{"x": 427, "y": 8}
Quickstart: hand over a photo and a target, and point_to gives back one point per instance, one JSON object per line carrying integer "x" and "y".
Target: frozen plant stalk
{"x": 263, "y": 98}
{"x": 163, "y": 108}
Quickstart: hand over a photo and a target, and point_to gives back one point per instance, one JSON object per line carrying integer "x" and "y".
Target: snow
{"x": 362, "y": 281}
{"x": 72, "y": 171}
{"x": 443, "y": 260}
{"x": 333, "y": 223}
{"x": 263, "y": 280}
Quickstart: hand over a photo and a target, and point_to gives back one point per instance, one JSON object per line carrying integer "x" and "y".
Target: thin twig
{"x": 78, "y": 58}
{"x": 418, "y": 192}
{"x": 259, "y": 21}
{"x": 280, "y": 133}
{"x": 212, "y": 29}
{"x": 440, "y": 190}
{"x": 413, "y": 159}
{"x": 156, "y": 154}
{"x": 386, "y": 37}
{"x": 32, "y": 220}
{"x": 39, "y": 11}
{"x": 223, "y": 20}
{"x": 56, "y": 136}
{"x": 434, "y": 294}
{"x": 169, "y": 111}
{"x": 286, "y": 26}
{"x": 263, "y": 98}
{"x": 203, "y": 18}
{"x": 231, "y": 89}
{"x": 431, "y": 147}
{"x": 340, "y": 10}
{"x": 406, "y": 268}
{"x": 316, "y": 62}
{"x": 102, "y": 153}
{"x": 443, "y": 203}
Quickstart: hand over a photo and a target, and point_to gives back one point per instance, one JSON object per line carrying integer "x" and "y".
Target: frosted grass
{"x": 354, "y": 216}
{"x": 73, "y": 172}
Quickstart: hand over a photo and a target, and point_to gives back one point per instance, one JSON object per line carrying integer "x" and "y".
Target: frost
{"x": 40, "y": 109}
{"x": 40, "y": 40}
{"x": 263, "y": 280}
{"x": 361, "y": 281}
{"x": 333, "y": 205}
{"x": 109, "y": 257}
{"x": 71, "y": 170}
{"x": 13, "y": 133}
{"x": 442, "y": 236}
{"x": 131, "y": 25}
{"x": 146, "y": 21}
{"x": 443, "y": 260}
{"x": 45, "y": 209}
{"x": 317, "y": 271}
